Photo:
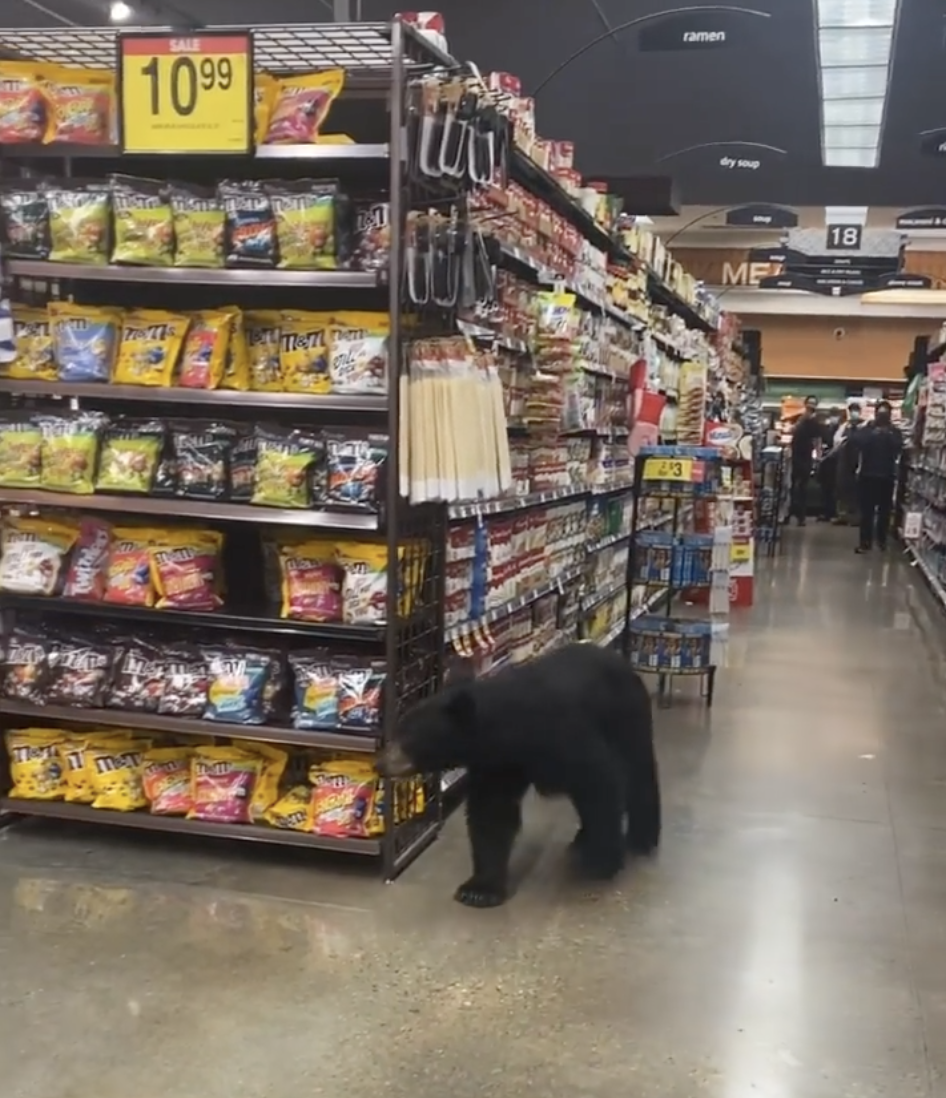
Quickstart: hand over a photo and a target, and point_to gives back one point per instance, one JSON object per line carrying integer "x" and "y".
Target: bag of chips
{"x": 131, "y": 450}
{"x": 364, "y": 591}
{"x": 24, "y": 220}
{"x": 236, "y": 373}
{"x": 237, "y": 684}
{"x": 151, "y": 343}
{"x": 184, "y": 569}
{"x": 263, "y": 343}
{"x": 316, "y": 690}
{"x": 78, "y": 223}
{"x": 292, "y": 812}
{"x": 343, "y": 799}
{"x": 311, "y": 228}
{"x": 70, "y": 448}
{"x": 34, "y": 554}
{"x": 250, "y": 229}
{"x": 198, "y": 221}
{"x": 301, "y": 105}
{"x": 286, "y": 465}
{"x": 25, "y": 666}
{"x": 185, "y": 684}
{"x": 360, "y": 691}
{"x": 273, "y": 763}
{"x": 23, "y": 105}
{"x": 264, "y": 92}
{"x": 85, "y": 340}
{"x": 128, "y": 579}
{"x": 303, "y": 353}
{"x": 21, "y": 451}
{"x": 222, "y": 784}
{"x": 137, "y": 678}
{"x": 88, "y": 563}
{"x": 78, "y": 673}
{"x": 166, "y": 780}
{"x": 310, "y": 581}
{"x": 35, "y": 360}
{"x": 201, "y": 457}
{"x": 354, "y": 467}
{"x": 116, "y": 775}
{"x": 143, "y": 222}
{"x": 35, "y": 764}
{"x": 80, "y": 106}
{"x": 358, "y": 355}
{"x": 204, "y": 357}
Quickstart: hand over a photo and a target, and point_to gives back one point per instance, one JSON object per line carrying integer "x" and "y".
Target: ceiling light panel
{"x": 854, "y": 112}
{"x": 856, "y": 13}
{"x": 856, "y": 47}
{"x": 850, "y": 158}
{"x": 848, "y": 83}
{"x": 850, "y": 137}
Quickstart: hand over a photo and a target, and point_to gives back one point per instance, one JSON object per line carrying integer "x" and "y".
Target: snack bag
{"x": 85, "y": 339}
{"x": 236, "y": 373}
{"x": 303, "y": 353}
{"x": 222, "y": 784}
{"x": 184, "y": 568}
{"x": 372, "y": 243}
{"x": 166, "y": 780}
{"x": 185, "y": 684}
{"x": 243, "y": 455}
{"x": 236, "y": 690}
{"x": 115, "y": 774}
{"x": 78, "y": 223}
{"x": 81, "y": 105}
{"x": 75, "y": 770}
{"x": 131, "y": 450}
{"x": 34, "y": 554}
{"x": 21, "y": 452}
{"x": 88, "y": 564}
{"x": 360, "y": 691}
{"x": 25, "y": 666}
{"x": 151, "y": 343}
{"x": 311, "y": 581}
{"x": 263, "y": 343}
{"x": 294, "y": 811}
{"x": 358, "y": 356}
{"x": 286, "y": 463}
{"x": 70, "y": 446}
{"x": 306, "y": 214}
{"x": 22, "y": 103}
{"x": 34, "y": 360}
{"x": 343, "y": 799}
{"x": 301, "y": 106}
{"x": 198, "y": 222}
{"x": 78, "y": 673}
{"x": 250, "y": 230}
{"x": 201, "y": 456}
{"x": 366, "y": 582}
{"x": 264, "y": 92}
{"x": 204, "y": 357}
{"x": 273, "y": 763}
{"x": 35, "y": 764}
{"x": 354, "y": 467}
{"x": 137, "y": 680}
{"x": 24, "y": 220}
{"x": 128, "y": 580}
{"x": 143, "y": 222}
{"x": 316, "y": 690}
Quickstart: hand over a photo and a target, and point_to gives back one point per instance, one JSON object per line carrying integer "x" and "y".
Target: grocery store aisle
{"x": 790, "y": 939}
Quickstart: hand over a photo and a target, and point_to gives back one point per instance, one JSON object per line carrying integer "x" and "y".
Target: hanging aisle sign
{"x": 182, "y": 93}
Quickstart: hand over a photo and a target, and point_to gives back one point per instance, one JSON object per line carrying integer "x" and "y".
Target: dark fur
{"x": 576, "y": 722}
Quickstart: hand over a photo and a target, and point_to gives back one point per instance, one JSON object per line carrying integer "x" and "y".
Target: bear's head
{"x": 436, "y": 734}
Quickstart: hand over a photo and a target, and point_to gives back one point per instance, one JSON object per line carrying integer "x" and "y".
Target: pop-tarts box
{"x": 654, "y": 552}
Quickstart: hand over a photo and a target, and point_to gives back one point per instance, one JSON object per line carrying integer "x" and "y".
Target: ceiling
{"x": 631, "y": 112}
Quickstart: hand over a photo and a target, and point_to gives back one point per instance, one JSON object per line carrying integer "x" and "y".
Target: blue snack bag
{"x": 85, "y": 338}
{"x": 250, "y": 237}
{"x": 236, "y": 685}
{"x": 315, "y": 690}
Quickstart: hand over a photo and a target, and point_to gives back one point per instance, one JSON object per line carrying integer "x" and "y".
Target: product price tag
{"x": 677, "y": 469}
{"x": 912, "y": 525}
{"x": 186, "y": 94}
{"x": 740, "y": 552}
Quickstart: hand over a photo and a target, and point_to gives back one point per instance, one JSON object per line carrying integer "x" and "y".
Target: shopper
{"x": 806, "y": 438}
{"x": 878, "y": 447}
{"x": 828, "y": 466}
{"x": 846, "y": 467}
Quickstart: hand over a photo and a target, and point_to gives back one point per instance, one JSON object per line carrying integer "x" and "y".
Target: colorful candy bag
{"x": 35, "y": 764}
{"x": 24, "y": 220}
{"x": 273, "y": 763}
{"x": 307, "y": 216}
{"x": 34, "y": 554}
{"x": 143, "y": 222}
{"x": 198, "y": 226}
{"x": 73, "y": 752}
{"x": 22, "y": 103}
{"x": 310, "y": 581}
{"x": 35, "y": 358}
{"x": 262, "y": 329}
{"x": 237, "y": 685}
{"x": 358, "y": 358}
{"x": 185, "y": 684}
{"x": 364, "y": 592}
{"x": 21, "y": 452}
{"x": 316, "y": 690}
{"x": 285, "y": 465}
{"x": 137, "y": 678}
{"x": 184, "y": 569}
{"x": 201, "y": 455}
{"x": 78, "y": 673}
{"x": 131, "y": 450}
{"x": 70, "y": 447}
{"x": 236, "y": 373}
{"x": 264, "y": 92}
{"x": 24, "y": 666}
{"x": 250, "y": 238}
{"x": 85, "y": 340}
{"x": 116, "y": 774}
{"x": 204, "y": 357}
{"x": 301, "y": 106}
{"x": 360, "y": 691}
{"x": 343, "y": 800}
{"x": 222, "y": 783}
{"x": 242, "y": 465}
{"x": 128, "y": 579}
{"x": 166, "y": 780}
{"x": 372, "y": 243}
{"x": 151, "y": 343}
{"x": 303, "y": 353}
{"x": 293, "y": 811}
{"x": 354, "y": 467}
{"x": 78, "y": 223}
{"x": 88, "y": 563}
{"x": 80, "y": 106}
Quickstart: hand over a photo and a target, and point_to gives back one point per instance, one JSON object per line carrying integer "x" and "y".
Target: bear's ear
{"x": 461, "y": 708}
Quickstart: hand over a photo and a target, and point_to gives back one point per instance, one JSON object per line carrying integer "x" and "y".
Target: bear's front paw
{"x": 600, "y": 865}
{"x": 474, "y": 893}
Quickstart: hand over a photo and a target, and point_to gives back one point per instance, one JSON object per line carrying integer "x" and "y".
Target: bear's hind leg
{"x": 597, "y": 792}
{"x": 493, "y": 818}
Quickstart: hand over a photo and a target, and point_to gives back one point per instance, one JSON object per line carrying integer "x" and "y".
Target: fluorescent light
{"x": 119, "y": 12}
{"x": 850, "y": 158}
{"x": 855, "y": 48}
{"x": 856, "y": 13}
{"x": 845, "y": 215}
{"x": 850, "y": 137}
{"x": 853, "y": 112}
{"x": 851, "y": 83}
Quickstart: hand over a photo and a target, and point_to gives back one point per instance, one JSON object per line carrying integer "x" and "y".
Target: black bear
{"x": 576, "y": 722}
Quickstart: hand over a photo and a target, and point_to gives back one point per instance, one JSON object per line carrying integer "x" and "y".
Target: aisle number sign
{"x": 186, "y": 93}
{"x": 676, "y": 469}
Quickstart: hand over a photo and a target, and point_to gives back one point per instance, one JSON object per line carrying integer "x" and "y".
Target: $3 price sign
{"x": 189, "y": 94}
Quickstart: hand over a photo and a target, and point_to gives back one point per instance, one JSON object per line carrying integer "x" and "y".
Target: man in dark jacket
{"x": 878, "y": 447}
{"x": 805, "y": 436}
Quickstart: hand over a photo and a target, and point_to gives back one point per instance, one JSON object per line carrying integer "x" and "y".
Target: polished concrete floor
{"x": 789, "y": 940}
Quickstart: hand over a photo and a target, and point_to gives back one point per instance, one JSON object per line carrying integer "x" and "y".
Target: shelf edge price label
{"x": 186, "y": 93}
{"x": 741, "y": 552}
{"x": 675, "y": 469}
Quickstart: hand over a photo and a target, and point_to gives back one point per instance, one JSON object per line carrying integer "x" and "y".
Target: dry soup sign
{"x": 186, "y": 93}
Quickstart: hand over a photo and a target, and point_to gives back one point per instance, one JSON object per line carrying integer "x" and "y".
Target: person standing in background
{"x": 846, "y": 466}
{"x": 878, "y": 447}
{"x": 805, "y": 437}
{"x": 828, "y": 466}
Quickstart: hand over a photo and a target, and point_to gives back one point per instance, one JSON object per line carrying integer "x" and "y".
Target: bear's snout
{"x": 393, "y": 762}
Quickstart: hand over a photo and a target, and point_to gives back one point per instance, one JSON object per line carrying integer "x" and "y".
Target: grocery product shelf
{"x": 670, "y": 299}
{"x": 366, "y": 741}
{"x": 180, "y": 825}
{"x": 219, "y": 398}
{"x": 207, "y": 510}
{"x": 325, "y": 153}
{"x": 592, "y": 602}
{"x": 608, "y": 542}
{"x": 520, "y": 602}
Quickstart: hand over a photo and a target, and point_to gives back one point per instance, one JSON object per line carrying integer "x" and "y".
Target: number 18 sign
{"x": 181, "y": 93}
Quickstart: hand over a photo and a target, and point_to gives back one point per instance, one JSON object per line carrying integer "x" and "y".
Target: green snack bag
{"x": 78, "y": 223}
{"x": 70, "y": 447}
{"x": 285, "y": 465}
{"x": 144, "y": 230}
{"x": 131, "y": 452}
{"x": 306, "y": 215}
{"x": 198, "y": 226}
{"x": 21, "y": 448}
